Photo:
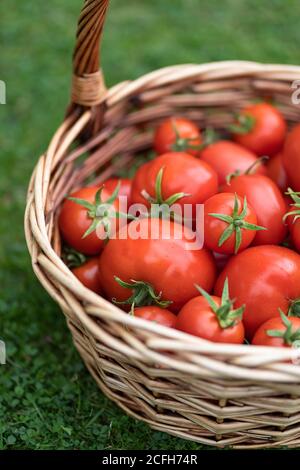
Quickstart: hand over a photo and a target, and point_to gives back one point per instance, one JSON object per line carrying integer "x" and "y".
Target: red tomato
{"x": 291, "y": 157}
{"x": 159, "y": 315}
{"x": 75, "y": 220}
{"x": 278, "y": 332}
{"x": 276, "y": 171}
{"x": 212, "y": 318}
{"x": 268, "y": 203}
{"x": 125, "y": 186}
{"x": 264, "y": 278}
{"x": 260, "y": 128}
{"x": 178, "y": 135}
{"x": 182, "y": 175}
{"x": 230, "y": 223}
{"x": 164, "y": 263}
{"x": 228, "y": 157}
{"x": 88, "y": 275}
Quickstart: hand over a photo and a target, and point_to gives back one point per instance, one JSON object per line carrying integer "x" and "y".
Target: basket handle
{"x": 88, "y": 87}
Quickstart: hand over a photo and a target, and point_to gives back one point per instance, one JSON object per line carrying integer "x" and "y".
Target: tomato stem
{"x": 235, "y": 223}
{"x": 73, "y": 258}
{"x": 183, "y": 144}
{"x": 226, "y": 315}
{"x": 101, "y": 212}
{"x": 259, "y": 161}
{"x": 249, "y": 171}
{"x": 244, "y": 124}
{"x": 288, "y": 335}
{"x": 143, "y": 294}
{"x": 158, "y": 198}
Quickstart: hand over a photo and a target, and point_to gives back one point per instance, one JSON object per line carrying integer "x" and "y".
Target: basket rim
{"x": 114, "y": 93}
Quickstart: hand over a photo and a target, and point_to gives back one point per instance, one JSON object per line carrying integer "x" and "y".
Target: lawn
{"x": 47, "y": 399}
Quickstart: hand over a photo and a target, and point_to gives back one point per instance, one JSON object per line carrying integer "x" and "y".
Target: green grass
{"x": 47, "y": 399}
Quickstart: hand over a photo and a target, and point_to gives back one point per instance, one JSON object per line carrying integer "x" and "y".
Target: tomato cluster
{"x": 229, "y": 271}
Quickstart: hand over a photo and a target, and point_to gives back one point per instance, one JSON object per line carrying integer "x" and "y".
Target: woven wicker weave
{"x": 222, "y": 395}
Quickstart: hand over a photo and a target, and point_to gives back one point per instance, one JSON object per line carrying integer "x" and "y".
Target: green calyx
{"x": 244, "y": 123}
{"x": 100, "y": 212}
{"x": 158, "y": 198}
{"x": 288, "y": 335}
{"x": 296, "y": 203}
{"x": 73, "y": 258}
{"x": 236, "y": 222}
{"x": 250, "y": 170}
{"x": 183, "y": 144}
{"x": 226, "y": 315}
{"x": 143, "y": 294}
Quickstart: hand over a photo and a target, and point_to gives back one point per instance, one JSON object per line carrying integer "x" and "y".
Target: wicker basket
{"x": 215, "y": 394}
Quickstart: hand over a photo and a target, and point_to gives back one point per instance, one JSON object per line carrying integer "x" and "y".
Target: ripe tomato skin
{"x": 223, "y": 203}
{"x": 291, "y": 157}
{"x": 167, "y": 264}
{"x": 264, "y": 278}
{"x": 198, "y": 319}
{"x": 74, "y": 222}
{"x": 269, "y": 131}
{"x": 159, "y": 315}
{"x": 88, "y": 275}
{"x": 268, "y": 203}
{"x": 125, "y": 186}
{"x": 276, "y": 171}
{"x": 261, "y": 338}
{"x": 181, "y": 173}
{"x": 228, "y": 157}
{"x": 165, "y": 135}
